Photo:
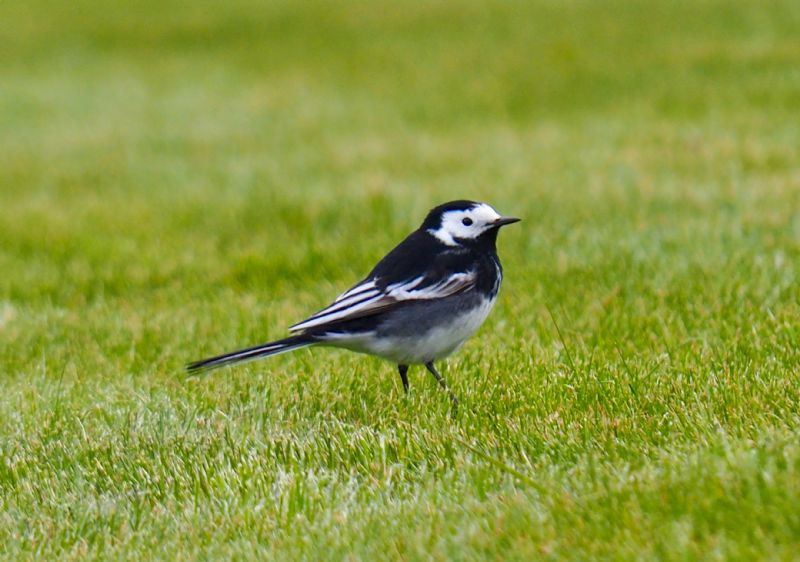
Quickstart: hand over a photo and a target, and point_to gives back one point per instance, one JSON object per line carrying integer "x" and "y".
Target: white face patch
{"x": 467, "y": 224}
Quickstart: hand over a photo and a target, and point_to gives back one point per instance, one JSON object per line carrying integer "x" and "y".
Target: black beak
{"x": 502, "y": 221}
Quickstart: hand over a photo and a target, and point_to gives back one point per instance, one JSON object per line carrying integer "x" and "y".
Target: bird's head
{"x": 465, "y": 223}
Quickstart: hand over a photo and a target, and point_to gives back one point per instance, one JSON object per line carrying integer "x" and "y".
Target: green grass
{"x": 179, "y": 179}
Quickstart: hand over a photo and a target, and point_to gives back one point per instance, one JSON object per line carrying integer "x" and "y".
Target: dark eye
{"x": 466, "y": 221}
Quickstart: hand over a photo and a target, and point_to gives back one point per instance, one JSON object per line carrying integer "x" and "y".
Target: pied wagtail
{"x": 419, "y": 304}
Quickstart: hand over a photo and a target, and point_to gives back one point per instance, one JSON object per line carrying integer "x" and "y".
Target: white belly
{"x": 435, "y": 343}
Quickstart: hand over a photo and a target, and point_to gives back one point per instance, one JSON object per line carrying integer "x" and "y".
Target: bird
{"x": 418, "y": 305}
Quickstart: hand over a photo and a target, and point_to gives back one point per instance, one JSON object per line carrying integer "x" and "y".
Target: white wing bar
{"x": 367, "y": 297}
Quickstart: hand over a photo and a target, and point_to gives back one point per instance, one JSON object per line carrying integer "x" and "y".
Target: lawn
{"x": 180, "y": 179}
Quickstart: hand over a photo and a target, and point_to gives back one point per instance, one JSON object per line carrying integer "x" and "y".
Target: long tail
{"x": 249, "y": 354}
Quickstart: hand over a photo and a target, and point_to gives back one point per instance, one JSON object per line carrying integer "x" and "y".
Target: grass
{"x": 179, "y": 179}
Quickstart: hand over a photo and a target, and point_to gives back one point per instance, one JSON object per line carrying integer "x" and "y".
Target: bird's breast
{"x": 432, "y": 332}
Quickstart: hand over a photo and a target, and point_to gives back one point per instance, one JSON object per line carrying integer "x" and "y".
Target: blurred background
{"x": 139, "y": 136}
{"x": 154, "y": 149}
{"x": 182, "y": 178}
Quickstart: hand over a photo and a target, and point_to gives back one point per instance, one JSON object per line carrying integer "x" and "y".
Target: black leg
{"x": 443, "y": 384}
{"x": 403, "y": 369}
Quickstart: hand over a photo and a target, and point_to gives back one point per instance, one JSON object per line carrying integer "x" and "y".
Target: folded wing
{"x": 371, "y": 296}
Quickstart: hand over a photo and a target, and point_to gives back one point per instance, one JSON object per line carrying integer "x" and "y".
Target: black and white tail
{"x": 249, "y": 354}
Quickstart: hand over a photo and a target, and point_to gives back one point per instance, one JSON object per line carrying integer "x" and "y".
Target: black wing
{"x": 419, "y": 268}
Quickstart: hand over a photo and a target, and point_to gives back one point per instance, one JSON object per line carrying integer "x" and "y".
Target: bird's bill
{"x": 502, "y": 221}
